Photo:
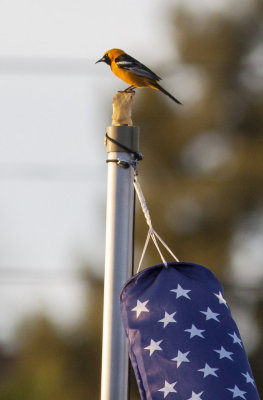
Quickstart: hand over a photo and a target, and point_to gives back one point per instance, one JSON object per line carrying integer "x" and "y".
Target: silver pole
{"x": 118, "y": 261}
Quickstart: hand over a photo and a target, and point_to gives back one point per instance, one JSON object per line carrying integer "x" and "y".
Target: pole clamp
{"x": 137, "y": 156}
{"x": 121, "y": 163}
{"x": 124, "y": 163}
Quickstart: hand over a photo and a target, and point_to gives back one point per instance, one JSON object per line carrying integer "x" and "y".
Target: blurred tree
{"x": 202, "y": 163}
{"x": 50, "y": 364}
{"x": 257, "y": 356}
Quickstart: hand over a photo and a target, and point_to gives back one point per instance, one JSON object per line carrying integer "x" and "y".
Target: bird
{"x": 133, "y": 72}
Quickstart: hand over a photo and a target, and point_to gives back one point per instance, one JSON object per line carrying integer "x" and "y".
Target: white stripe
{"x": 124, "y": 62}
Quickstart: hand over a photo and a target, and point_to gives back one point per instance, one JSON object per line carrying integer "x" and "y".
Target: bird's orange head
{"x": 110, "y": 55}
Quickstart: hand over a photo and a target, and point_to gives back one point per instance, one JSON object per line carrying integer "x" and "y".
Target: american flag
{"x": 183, "y": 342}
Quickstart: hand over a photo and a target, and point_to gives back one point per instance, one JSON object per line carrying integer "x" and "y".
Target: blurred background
{"x": 202, "y": 173}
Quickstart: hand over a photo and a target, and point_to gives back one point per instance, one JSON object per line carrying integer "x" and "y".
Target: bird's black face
{"x": 105, "y": 59}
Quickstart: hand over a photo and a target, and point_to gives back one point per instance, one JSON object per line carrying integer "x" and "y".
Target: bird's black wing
{"x": 124, "y": 61}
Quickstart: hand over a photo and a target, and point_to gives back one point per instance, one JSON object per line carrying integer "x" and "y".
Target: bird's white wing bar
{"x": 130, "y": 64}
{"x": 119, "y": 63}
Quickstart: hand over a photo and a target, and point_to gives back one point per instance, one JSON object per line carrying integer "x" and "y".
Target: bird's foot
{"x": 130, "y": 89}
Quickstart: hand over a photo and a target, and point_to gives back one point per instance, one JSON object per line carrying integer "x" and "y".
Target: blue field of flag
{"x": 183, "y": 341}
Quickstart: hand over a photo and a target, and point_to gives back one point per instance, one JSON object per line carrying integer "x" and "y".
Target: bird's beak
{"x": 105, "y": 59}
{"x": 100, "y": 60}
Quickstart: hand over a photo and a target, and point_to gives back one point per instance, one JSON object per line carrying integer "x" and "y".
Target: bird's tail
{"x": 155, "y": 85}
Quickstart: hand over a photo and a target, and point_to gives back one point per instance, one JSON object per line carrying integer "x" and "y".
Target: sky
{"x": 55, "y": 106}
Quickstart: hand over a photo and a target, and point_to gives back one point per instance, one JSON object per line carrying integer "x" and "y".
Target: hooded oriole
{"x": 132, "y": 71}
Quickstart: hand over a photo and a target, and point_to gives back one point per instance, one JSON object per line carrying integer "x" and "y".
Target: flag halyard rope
{"x": 151, "y": 232}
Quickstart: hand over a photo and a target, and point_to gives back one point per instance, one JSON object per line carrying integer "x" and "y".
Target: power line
{"x": 29, "y": 276}
{"x": 84, "y": 66}
{"x": 30, "y": 171}
{"x": 47, "y": 66}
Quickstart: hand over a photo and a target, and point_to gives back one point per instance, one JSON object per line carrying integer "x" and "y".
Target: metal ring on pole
{"x": 137, "y": 156}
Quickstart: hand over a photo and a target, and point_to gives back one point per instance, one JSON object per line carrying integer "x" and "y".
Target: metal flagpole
{"x": 119, "y": 249}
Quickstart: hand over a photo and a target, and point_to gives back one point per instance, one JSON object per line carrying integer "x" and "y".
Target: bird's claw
{"x": 130, "y": 89}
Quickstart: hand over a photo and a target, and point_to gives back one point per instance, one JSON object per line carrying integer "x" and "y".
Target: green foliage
{"x": 54, "y": 365}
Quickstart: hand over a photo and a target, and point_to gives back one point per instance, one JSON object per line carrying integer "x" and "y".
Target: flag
{"x": 183, "y": 342}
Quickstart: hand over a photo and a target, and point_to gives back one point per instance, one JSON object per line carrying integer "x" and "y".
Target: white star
{"x": 153, "y": 346}
{"x": 196, "y": 396}
{"x": 210, "y": 314}
{"x": 236, "y": 339}
{"x": 237, "y": 392}
{"x": 181, "y": 357}
{"x": 168, "y": 388}
{"x": 221, "y": 299}
{"x": 224, "y": 354}
{"x": 194, "y": 332}
{"x": 167, "y": 319}
{"x": 207, "y": 370}
{"x": 181, "y": 292}
{"x": 140, "y": 307}
{"x": 249, "y": 379}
